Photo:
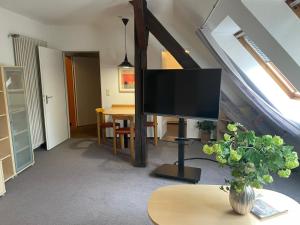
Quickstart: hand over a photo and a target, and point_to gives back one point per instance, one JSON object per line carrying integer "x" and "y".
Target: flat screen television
{"x": 185, "y": 93}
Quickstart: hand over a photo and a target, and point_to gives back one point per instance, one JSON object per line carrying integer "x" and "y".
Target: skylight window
{"x": 268, "y": 66}
{"x": 295, "y": 6}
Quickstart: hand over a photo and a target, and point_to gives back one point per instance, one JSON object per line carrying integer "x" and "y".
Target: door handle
{"x": 47, "y": 98}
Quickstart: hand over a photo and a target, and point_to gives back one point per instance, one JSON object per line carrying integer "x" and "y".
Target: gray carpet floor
{"x": 82, "y": 183}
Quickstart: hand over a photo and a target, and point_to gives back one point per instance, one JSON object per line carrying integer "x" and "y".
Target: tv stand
{"x": 179, "y": 171}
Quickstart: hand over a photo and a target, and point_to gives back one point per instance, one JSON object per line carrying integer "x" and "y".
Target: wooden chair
{"x": 154, "y": 125}
{"x": 122, "y": 131}
{"x": 122, "y": 105}
{"x": 102, "y": 125}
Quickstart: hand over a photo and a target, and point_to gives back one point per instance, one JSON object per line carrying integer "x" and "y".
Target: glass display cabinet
{"x": 7, "y": 165}
{"x": 18, "y": 116}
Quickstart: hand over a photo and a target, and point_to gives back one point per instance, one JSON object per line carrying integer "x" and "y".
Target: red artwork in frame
{"x": 126, "y": 80}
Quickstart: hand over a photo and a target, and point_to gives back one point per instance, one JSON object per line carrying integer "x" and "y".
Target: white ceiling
{"x": 67, "y": 11}
{"x": 84, "y": 12}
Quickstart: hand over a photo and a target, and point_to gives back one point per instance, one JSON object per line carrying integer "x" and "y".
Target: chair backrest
{"x": 124, "y": 117}
{"x": 154, "y": 119}
{"x": 122, "y": 105}
{"x": 100, "y": 112}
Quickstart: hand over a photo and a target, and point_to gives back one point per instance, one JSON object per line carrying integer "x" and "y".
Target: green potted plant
{"x": 253, "y": 161}
{"x": 205, "y": 127}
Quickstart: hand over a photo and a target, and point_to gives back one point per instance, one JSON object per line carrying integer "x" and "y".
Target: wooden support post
{"x": 139, "y": 21}
{"x": 141, "y": 42}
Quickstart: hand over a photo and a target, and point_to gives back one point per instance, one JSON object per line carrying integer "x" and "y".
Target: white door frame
{"x": 66, "y": 95}
{"x": 69, "y": 53}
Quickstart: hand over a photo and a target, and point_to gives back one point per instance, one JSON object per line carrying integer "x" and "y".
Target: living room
{"x": 116, "y": 170}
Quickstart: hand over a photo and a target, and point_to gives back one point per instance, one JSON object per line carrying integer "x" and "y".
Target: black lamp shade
{"x": 125, "y": 63}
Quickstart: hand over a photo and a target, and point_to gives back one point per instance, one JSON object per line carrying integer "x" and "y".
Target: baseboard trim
{"x": 110, "y": 138}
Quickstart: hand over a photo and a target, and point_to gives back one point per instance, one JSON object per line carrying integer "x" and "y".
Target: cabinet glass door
{"x": 18, "y": 116}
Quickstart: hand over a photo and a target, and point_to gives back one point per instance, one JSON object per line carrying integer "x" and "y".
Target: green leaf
{"x": 227, "y": 137}
{"x": 277, "y": 140}
{"x": 208, "y": 150}
{"x": 284, "y": 173}
{"x": 232, "y": 127}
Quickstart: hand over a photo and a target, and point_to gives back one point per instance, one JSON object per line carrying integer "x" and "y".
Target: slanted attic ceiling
{"x": 67, "y": 12}
{"x": 180, "y": 17}
{"x": 88, "y": 12}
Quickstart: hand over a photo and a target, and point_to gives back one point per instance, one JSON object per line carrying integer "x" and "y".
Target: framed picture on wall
{"x": 126, "y": 80}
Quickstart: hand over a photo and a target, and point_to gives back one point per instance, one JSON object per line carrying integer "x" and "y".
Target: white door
{"x": 54, "y": 92}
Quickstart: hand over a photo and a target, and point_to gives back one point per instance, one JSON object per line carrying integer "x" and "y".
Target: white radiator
{"x": 26, "y": 55}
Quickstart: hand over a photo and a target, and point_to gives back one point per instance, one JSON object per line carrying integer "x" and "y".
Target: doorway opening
{"x": 84, "y": 92}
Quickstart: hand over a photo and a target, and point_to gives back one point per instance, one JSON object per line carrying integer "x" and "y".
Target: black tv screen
{"x": 187, "y": 93}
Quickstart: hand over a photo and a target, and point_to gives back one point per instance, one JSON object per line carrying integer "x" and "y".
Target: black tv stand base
{"x": 187, "y": 174}
{"x": 179, "y": 172}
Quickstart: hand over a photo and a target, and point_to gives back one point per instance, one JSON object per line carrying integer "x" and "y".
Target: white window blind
{"x": 257, "y": 49}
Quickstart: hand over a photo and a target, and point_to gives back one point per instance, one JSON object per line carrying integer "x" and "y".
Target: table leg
{"x": 98, "y": 128}
{"x": 125, "y": 136}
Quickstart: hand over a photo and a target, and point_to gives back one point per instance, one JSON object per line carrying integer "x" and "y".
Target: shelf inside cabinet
{"x": 3, "y": 138}
{"x": 22, "y": 149}
{"x": 3, "y": 127}
{"x": 15, "y": 90}
{"x": 5, "y": 157}
{"x": 2, "y": 104}
{"x": 18, "y": 110}
{"x": 20, "y": 132}
{"x": 8, "y": 169}
{"x": 1, "y": 84}
{"x": 4, "y": 148}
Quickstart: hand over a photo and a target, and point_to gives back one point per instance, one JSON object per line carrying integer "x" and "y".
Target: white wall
{"x": 108, "y": 39}
{"x": 14, "y": 23}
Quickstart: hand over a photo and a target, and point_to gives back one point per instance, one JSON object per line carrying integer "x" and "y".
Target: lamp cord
{"x": 125, "y": 41}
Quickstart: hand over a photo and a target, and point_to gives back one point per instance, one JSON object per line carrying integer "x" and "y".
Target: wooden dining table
{"x": 123, "y": 110}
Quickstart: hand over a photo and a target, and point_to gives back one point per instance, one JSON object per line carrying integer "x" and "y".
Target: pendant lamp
{"x": 125, "y": 63}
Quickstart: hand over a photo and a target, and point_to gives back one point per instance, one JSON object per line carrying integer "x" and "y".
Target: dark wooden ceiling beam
{"x": 169, "y": 42}
{"x": 146, "y": 21}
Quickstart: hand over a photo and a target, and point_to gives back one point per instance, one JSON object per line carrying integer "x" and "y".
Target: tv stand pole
{"x": 181, "y": 142}
{"x": 179, "y": 172}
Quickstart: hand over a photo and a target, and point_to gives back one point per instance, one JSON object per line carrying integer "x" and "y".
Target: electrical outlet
{"x": 107, "y": 92}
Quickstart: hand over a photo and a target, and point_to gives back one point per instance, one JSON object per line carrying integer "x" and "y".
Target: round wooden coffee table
{"x": 208, "y": 205}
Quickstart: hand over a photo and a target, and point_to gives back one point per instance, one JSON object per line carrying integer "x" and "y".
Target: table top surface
{"x": 123, "y": 110}
{"x": 208, "y": 205}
